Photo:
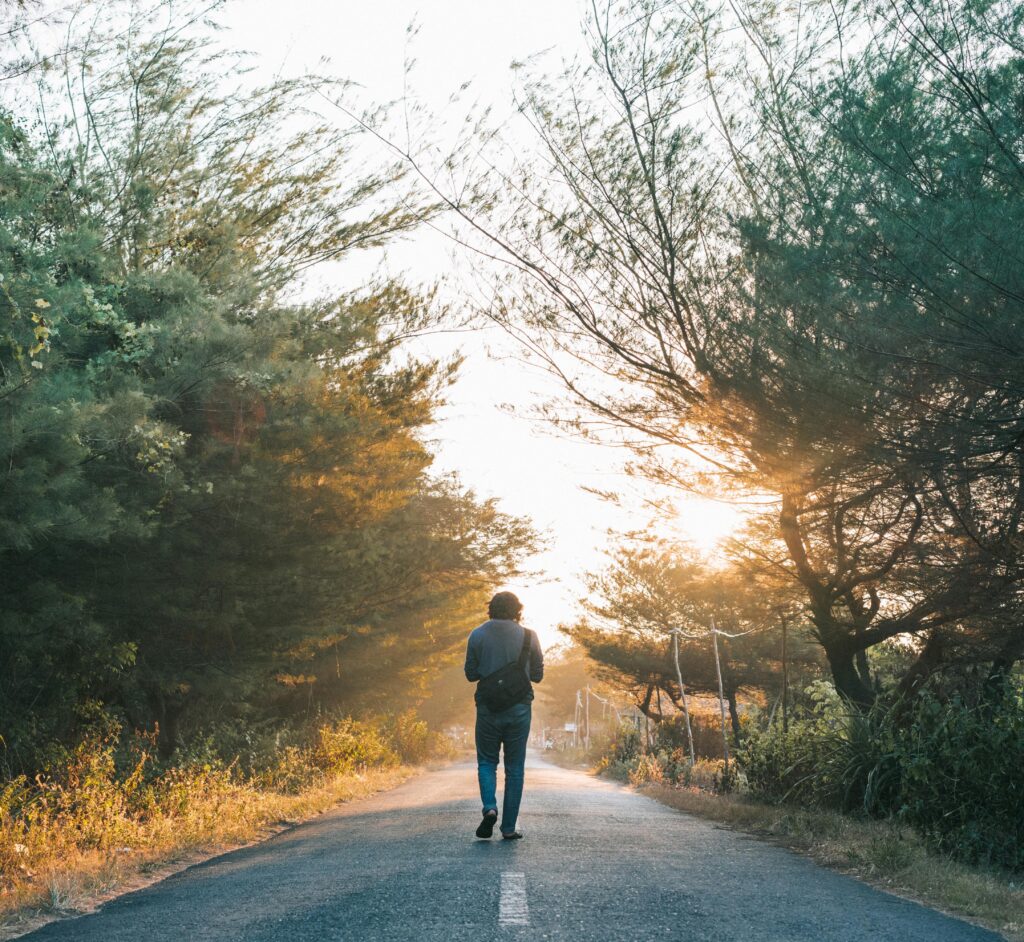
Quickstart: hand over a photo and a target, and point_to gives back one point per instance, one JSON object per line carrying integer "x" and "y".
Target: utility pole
{"x": 721, "y": 697}
{"x": 586, "y": 742}
{"x": 682, "y": 693}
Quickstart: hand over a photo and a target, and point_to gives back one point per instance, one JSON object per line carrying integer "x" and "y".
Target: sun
{"x": 706, "y": 523}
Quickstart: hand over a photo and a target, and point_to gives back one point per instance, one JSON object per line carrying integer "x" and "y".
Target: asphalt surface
{"x": 598, "y": 863}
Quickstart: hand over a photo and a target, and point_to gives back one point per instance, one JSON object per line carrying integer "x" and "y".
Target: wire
{"x": 714, "y": 631}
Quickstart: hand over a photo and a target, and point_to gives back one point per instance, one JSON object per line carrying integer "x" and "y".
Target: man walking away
{"x": 505, "y": 658}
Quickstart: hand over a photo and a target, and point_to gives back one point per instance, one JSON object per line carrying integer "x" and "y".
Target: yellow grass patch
{"x": 57, "y": 876}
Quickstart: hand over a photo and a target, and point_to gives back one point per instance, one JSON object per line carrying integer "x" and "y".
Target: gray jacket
{"x": 496, "y": 642}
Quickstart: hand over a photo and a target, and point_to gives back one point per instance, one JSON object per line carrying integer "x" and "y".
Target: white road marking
{"x": 512, "y": 909}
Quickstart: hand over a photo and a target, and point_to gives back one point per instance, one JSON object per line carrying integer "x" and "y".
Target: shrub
{"x": 626, "y": 743}
{"x": 775, "y": 764}
{"x": 706, "y": 730}
{"x": 832, "y": 756}
{"x": 350, "y": 745}
{"x": 961, "y": 784}
{"x": 646, "y": 769}
{"x": 793, "y": 765}
{"x": 413, "y": 740}
{"x": 625, "y": 759}
{"x": 949, "y": 769}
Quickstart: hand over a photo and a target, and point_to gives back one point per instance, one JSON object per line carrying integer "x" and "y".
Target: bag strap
{"x": 524, "y": 654}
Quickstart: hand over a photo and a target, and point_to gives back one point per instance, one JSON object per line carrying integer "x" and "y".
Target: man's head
{"x": 505, "y": 605}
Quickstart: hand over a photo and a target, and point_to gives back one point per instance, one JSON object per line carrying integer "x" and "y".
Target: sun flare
{"x": 706, "y": 523}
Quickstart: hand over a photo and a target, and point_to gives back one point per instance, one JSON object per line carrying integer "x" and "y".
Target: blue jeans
{"x": 509, "y": 728}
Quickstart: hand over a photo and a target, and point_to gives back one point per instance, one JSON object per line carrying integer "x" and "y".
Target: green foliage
{"x": 216, "y": 517}
{"x": 948, "y": 768}
{"x": 831, "y": 755}
{"x": 960, "y": 781}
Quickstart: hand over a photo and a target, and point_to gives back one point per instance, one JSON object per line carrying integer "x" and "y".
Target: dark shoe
{"x": 513, "y": 836}
{"x": 486, "y": 828}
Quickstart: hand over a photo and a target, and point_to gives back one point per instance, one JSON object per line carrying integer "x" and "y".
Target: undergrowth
{"x": 109, "y": 809}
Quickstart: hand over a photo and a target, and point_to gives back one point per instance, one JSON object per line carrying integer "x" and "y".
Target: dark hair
{"x": 505, "y": 605}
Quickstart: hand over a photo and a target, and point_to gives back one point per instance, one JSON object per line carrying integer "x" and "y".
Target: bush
{"x": 833, "y": 756}
{"x": 949, "y": 769}
{"x": 626, "y": 759}
{"x": 350, "y": 745}
{"x": 706, "y": 730}
{"x": 414, "y": 741}
{"x": 798, "y": 764}
{"x": 111, "y": 795}
{"x": 961, "y": 785}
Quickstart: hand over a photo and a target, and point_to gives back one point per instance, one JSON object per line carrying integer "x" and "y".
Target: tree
{"x": 218, "y": 508}
{"x": 648, "y": 592}
{"x": 56, "y": 656}
{"x": 796, "y": 287}
{"x": 913, "y": 195}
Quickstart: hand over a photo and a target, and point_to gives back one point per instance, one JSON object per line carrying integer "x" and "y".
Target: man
{"x": 496, "y": 644}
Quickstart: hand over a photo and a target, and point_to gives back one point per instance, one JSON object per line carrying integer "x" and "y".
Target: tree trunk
{"x": 682, "y": 697}
{"x": 923, "y": 667}
{"x": 168, "y": 714}
{"x": 734, "y": 714}
{"x": 846, "y": 677}
{"x": 646, "y": 707}
{"x": 862, "y": 668}
{"x": 995, "y": 688}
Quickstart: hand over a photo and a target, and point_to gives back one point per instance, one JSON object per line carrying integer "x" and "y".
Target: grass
{"x": 108, "y": 818}
{"x": 75, "y": 880}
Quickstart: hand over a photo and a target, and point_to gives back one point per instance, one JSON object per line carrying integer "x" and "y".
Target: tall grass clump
{"x": 948, "y": 767}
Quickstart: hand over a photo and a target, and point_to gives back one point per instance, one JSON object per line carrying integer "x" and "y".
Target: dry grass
{"x": 73, "y": 879}
{"x": 890, "y": 857}
{"x": 107, "y": 815}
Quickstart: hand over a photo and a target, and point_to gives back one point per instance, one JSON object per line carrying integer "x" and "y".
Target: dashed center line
{"x": 512, "y": 908}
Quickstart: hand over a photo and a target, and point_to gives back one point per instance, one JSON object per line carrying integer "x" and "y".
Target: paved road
{"x": 598, "y": 863}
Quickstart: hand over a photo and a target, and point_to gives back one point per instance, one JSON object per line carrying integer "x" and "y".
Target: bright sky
{"x": 498, "y": 454}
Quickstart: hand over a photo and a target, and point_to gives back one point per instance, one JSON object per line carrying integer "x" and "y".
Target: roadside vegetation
{"x": 879, "y": 852}
{"x": 111, "y": 811}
